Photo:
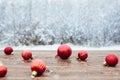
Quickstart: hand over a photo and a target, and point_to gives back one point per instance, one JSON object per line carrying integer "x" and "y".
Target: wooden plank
{"x": 70, "y": 69}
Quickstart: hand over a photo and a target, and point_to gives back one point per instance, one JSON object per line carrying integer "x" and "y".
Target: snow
{"x": 89, "y": 23}
{"x": 55, "y": 47}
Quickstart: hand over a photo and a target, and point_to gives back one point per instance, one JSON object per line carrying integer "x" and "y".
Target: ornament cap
{"x": 34, "y": 74}
{"x": 1, "y": 63}
{"x": 104, "y": 63}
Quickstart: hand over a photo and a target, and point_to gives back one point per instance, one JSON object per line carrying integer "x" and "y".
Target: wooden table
{"x": 70, "y": 69}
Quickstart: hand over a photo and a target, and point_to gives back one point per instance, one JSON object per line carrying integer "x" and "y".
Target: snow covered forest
{"x": 47, "y": 22}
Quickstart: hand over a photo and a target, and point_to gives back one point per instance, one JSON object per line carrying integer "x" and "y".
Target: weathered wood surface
{"x": 70, "y": 69}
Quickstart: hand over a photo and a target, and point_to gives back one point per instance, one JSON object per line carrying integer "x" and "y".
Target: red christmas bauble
{"x": 3, "y": 71}
{"x": 26, "y": 55}
{"x": 38, "y": 66}
{"x": 111, "y": 60}
{"x": 64, "y": 51}
{"x": 82, "y": 55}
{"x": 8, "y": 50}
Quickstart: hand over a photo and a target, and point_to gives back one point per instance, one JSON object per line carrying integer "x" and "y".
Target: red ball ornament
{"x": 38, "y": 67}
{"x": 8, "y": 50}
{"x": 3, "y": 71}
{"x": 82, "y": 55}
{"x": 111, "y": 60}
{"x": 64, "y": 51}
{"x": 26, "y": 55}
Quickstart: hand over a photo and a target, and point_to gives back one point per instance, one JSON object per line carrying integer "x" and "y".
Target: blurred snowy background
{"x": 91, "y": 23}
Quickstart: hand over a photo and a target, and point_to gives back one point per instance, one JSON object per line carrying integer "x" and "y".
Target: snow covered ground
{"x": 55, "y": 47}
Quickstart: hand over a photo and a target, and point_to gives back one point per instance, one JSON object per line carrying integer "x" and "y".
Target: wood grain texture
{"x": 70, "y": 69}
